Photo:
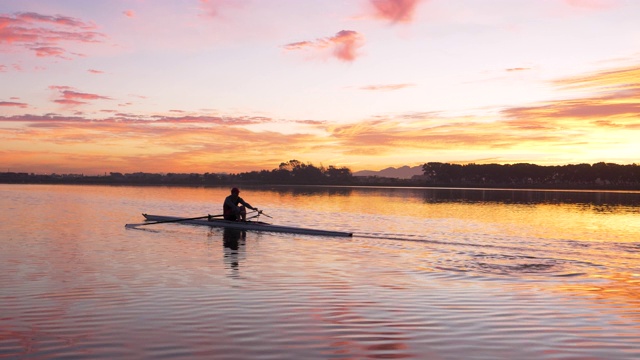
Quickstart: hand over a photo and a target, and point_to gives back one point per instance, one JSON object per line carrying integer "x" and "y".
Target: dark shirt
{"x": 230, "y": 205}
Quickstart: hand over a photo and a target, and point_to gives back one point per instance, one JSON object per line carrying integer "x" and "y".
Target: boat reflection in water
{"x": 233, "y": 241}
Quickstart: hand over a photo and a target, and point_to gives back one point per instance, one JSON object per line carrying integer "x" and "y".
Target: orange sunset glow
{"x": 231, "y": 86}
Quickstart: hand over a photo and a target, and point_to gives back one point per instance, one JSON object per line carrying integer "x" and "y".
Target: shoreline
{"x": 411, "y": 184}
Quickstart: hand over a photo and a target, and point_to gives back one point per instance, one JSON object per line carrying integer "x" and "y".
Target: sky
{"x": 227, "y": 86}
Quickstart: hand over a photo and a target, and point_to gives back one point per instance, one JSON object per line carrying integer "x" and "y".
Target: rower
{"x": 234, "y": 207}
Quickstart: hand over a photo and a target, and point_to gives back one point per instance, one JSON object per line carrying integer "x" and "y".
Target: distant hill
{"x": 404, "y": 172}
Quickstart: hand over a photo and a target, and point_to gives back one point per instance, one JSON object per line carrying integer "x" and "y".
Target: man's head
{"x": 235, "y": 191}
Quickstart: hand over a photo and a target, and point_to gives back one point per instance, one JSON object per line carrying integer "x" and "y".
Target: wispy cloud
{"x": 214, "y": 8}
{"x": 395, "y": 11}
{"x": 585, "y": 115}
{"x": 31, "y": 17}
{"x": 385, "y": 137}
{"x": 591, "y": 124}
{"x": 68, "y": 96}
{"x": 186, "y": 143}
{"x": 613, "y": 109}
{"x": 45, "y": 34}
{"x": 155, "y": 121}
{"x": 604, "y": 120}
{"x": 344, "y": 45}
{"x": 212, "y": 120}
{"x": 386, "y": 87}
{"x": 618, "y": 79}
{"x": 44, "y": 51}
{"x": 13, "y": 104}
{"x": 129, "y": 13}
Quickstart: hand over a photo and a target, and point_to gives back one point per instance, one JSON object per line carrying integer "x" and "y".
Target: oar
{"x": 259, "y": 212}
{"x": 168, "y": 221}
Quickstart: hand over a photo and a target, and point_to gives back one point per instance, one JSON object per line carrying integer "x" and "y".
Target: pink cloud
{"x": 3, "y": 68}
{"x": 518, "y": 69}
{"x": 344, "y": 45}
{"x": 69, "y": 102}
{"x": 395, "y": 11}
{"x": 44, "y": 34}
{"x": 212, "y": 8}
{"x": 93, "y": 71}
{"x": 44, "y": 51}
{"x": 39, "y": 118}
{"x": 388, "y": 87}
{"x": 31, "y": 17}
{"x": 60, "y": 87}
{"x": 68, "y": 96}
{"x": 13, "y": 104}
{"x": 300, "y": 45}
{"x": 129, "y": 13}
{"x": 311, "y": 122}
{"x": 213, "y": 120}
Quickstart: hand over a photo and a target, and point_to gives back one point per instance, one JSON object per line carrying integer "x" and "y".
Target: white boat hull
{"x": 248, "y": 225}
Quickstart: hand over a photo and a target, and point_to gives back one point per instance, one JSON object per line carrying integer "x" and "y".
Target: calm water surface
{"x": 429, "y": 274}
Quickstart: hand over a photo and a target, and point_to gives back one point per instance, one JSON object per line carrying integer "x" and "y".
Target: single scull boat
{"x": 246, "y": 225}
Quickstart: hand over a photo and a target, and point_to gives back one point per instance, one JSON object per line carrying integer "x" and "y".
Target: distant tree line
{"x": 600, "y": 174}
{"x": 297, "y": 173}
{"x": 293, "y": 172}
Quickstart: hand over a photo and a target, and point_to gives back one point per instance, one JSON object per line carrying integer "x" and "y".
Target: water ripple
{"x": 457, "y": 281}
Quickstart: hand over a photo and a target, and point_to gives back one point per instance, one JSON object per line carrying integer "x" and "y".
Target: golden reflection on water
{"x": 624, "y": 287}
{"x": 550, "y": 219}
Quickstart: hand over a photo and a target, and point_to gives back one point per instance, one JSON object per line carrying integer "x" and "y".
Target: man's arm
{"x": 246, "y": 204}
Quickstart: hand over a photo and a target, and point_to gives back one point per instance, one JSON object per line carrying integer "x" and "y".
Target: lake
{"x": 428, "y": 274}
